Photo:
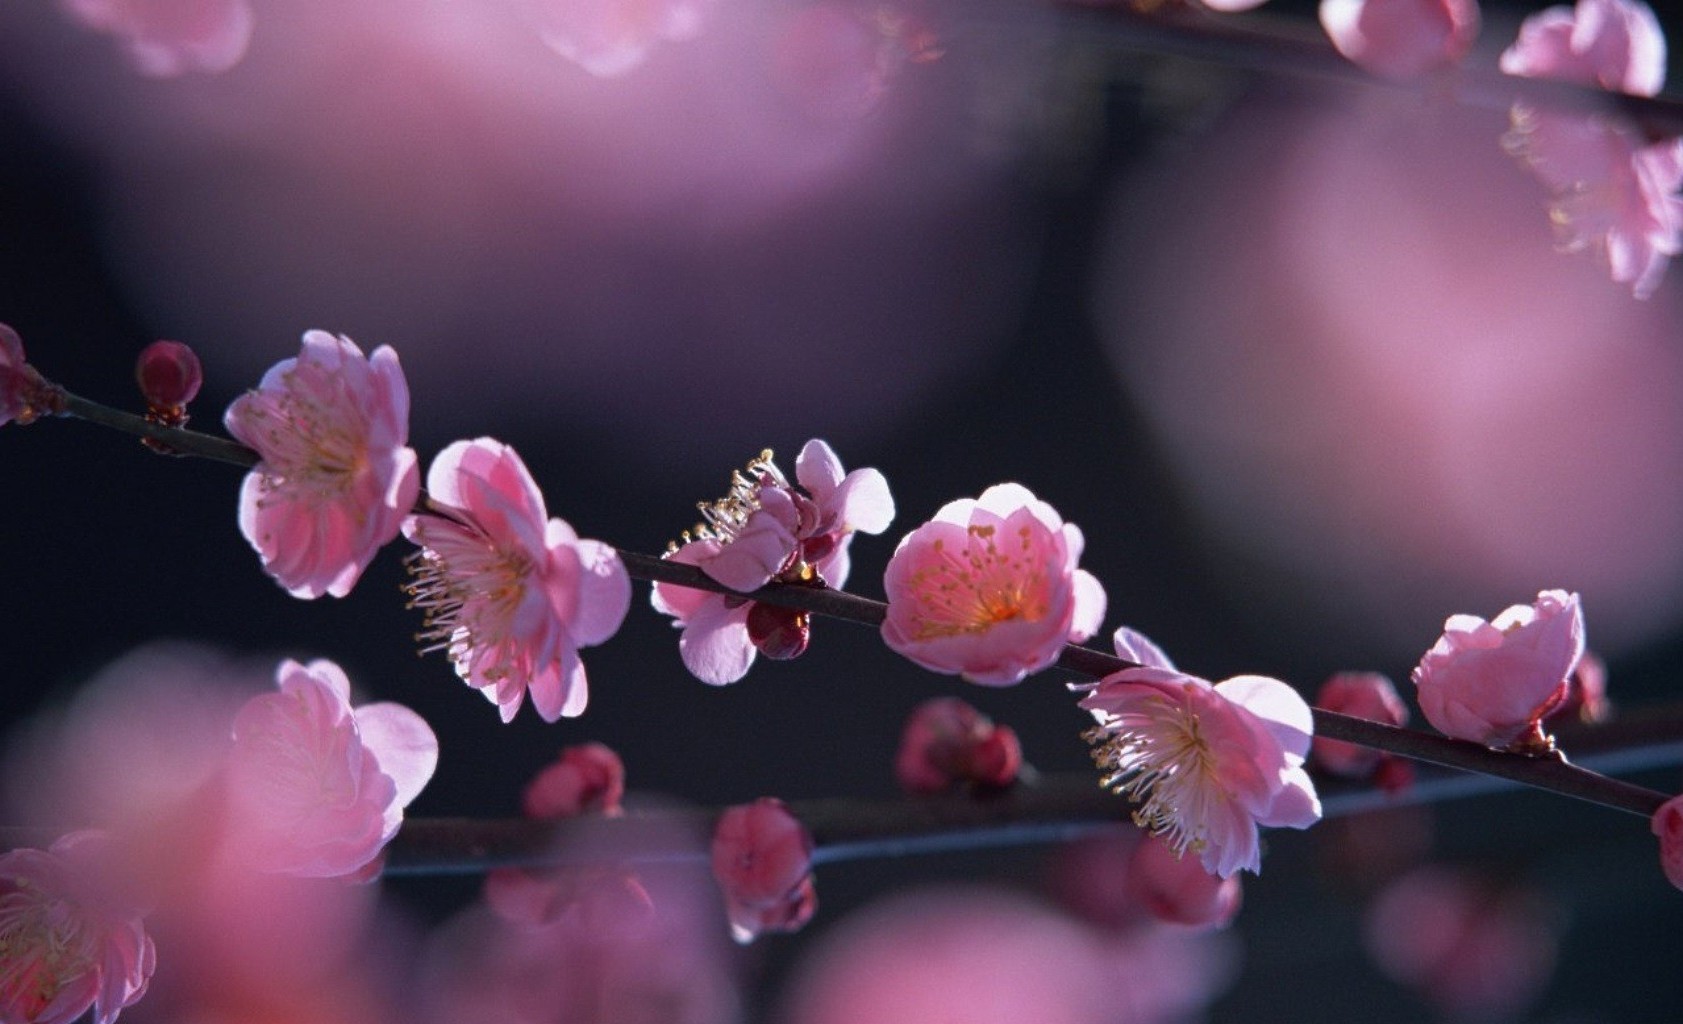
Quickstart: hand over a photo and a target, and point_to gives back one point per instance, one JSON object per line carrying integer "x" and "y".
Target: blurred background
{"x": 1300, "y": 357}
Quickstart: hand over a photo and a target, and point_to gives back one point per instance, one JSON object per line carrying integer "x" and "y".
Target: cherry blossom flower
{"x": 1368, "y": 695}
{"x": 989, "y": 589}
{"x": 765, "y": 530}
{"x": 1667, "y": 826}
{"x": 67, "y": 944}
{"x": 946, "y": 742}
{"x": 1206, "y": 763}
{"x": 1493, "y": 682}
{"x": 1615, "y": 44}
{"x": 510, "y": 595}
{"x": 336, "y": 478}
{"x": 762, "y": 860}
{"x": 1401, "y": 38}
{"x": 314, "y": 787}
{"x": 167, "y": 38}
{"x": 609, "y": 38}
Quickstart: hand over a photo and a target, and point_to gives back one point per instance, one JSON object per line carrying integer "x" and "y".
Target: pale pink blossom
{"x": 989, "y": 589}
{"x": 1493, "y": 682}
{"x": 766, "y": 530}
{"x": 1207, "y": 764}
{"x": 608, "y": 38}
{"x": 946, "y": 743}
{"x": 67, "y": 942}
{"x": 1614, "y": 44}
{"x": 510, "y": 595}
{"x": 336, "y": 476}
{"x": 1401, "y": 38}
{"x": 167, "y": 38}
{"x": 1368, "y": 695}
{"x": 314, "y": 787}
{"x": 1667, "y": 826}
{"x": 762, "y": 860}
{"x": 585, "y": 779}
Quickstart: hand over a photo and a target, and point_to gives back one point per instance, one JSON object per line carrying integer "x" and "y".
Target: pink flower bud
{"x": 1401, "y": 38}
{"x": 1366, "y": 695}
{"x": 762, "y": 860}
{"x": 1493, "y": 682}
{"x": 1175, "y": 887}
{"x": 23, "y": 394}
{"x": 1667, "y": 824}
{"x": 586, "y": 779}
{"x": 169, "y": 375}
{"x": 947, "y": 742}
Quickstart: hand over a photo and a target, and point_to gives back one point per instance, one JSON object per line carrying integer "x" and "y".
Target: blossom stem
{"x": 1556, "y": 776}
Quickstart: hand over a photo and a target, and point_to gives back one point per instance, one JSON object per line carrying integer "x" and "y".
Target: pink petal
{"x": 402, "y": 743}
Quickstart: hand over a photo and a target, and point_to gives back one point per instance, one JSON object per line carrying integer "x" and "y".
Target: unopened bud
{"x": 779, "y": 633}
{"x": 169, "y": 375}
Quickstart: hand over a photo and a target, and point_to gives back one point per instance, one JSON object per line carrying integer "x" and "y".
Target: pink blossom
{"x": 1586, "y": 700}
{"x": 166, "y": 38}
{"x": 608, "y": 38}
{"x": 1611, "y": 194}
{"x": 1401, "y": 38}
{"x": 1366, "y": 695}
{"x": 336, "y": 478}
{"x": 762, "y": 860}
{"x": 510, "y": 595}
{"x": 946, "y": 742}
{"x": 1615, "y": 44}
{"x": 1667, "y": 825}
{"x": 14, "y": 376}
{"x": 66, "y": 942}
{"x": 1493, "y": 682}
{"x": 1206, "y": 764}
{"x": 586, "y": 779}
{"x": 1176, "y": 889}
{"x": 989, "y": 589}
{"x": 315, "y": 788}
{"x": 765, "y": 530}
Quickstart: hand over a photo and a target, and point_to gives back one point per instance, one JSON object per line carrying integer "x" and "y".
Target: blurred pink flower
{"x": 1586, "y": 699}
{"x": 336, "y": 478}
{"x": 989, "y": 589}
{"x": 1176, "y": 889}
{"x": 762, "y": 860}
{"x": 1615, "y": 44}
{"x": 1401, "y": 38}
{"x": 67, "y": 943}
{"x": 765, "y": 530}
{"x": 15, "y": 376}
{"x": 1368, "y": 695}
{"x": 1611, "y": 194}
{"x": 1493, "y": 682}
{"x": 509, "y": 594}
{"x": 1473, "y": 947}
{"x": 167, "y": 38}
{"x": 314, "y": 788}
{"x": 1207, "y": 764}
{"x": 946, "y": 742}
{"x": 608, "y": 38}
{"x": 1667, "y": 825}
{"x": 585, "y": 779}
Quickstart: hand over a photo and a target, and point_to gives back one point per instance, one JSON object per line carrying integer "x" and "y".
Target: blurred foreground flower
{"x": 1366, "y": 695}
{"x": 1401, "y": 38}
{"x": 989, "y": 589}
{"x": 608, "y": 38}
{"x": 509, "y": 594}
{"x": 1206, "y": 763}
{"x": 315, "y": 788}
{"x": 336, "y": 478}
{"x": 762, "y": 860}
{"x": 1494, "y": 682}
{"x": 764, "y": 531}
{"x": 1667, "y": 826}
{"x": 66, "y": 943}
{"x": 167, "y": 38}
{"x": 946, "y": 743}
{"x": 1614, "y": 44}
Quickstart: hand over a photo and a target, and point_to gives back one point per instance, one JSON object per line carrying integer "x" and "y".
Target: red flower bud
{"x": 169, "y": 375}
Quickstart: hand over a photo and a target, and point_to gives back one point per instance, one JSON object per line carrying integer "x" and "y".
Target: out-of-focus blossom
{"x": 586, "y": 779}
{"x": 1615, "y": 44}
{"x": 1475, "y": 948}
{"x": 1368, "y": 695}
{"x": 836, "y": 63}
{"x": 15, "y": 374}
{"x": 1206, "y": 763}
{"x": 989, "y": 589}
{"x": 509, "y": 594}
{"x": 336, "y": 477}
{"x": 608, "y": 38}
{"x": 1667, "y": 825}
{"x": 1175, "y": 888}
{"x": 1401, "y": 38}
{"x": 167, "y": 38}
{"x": 315, "y": 788}
{"x": 762, "y": 860}
{"x": 946, "y": 742}
{"x": 1611, "y": 194}
{"x": 1586, "y": 697}
{"x": 1493, "y": 682}
{"x": 67, "y": 942}
{"x": 765, "y": 530}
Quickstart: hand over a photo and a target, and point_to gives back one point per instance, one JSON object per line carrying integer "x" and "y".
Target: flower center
{"x": 724, "y": 518}
{"x": 1161, "y": 762}
{"x": 310, "y": 442}
{"x": 43, "y": 947}
{"x": 976, "y": 588}
{"x": 470, "y": 591}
